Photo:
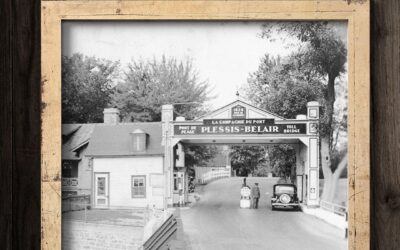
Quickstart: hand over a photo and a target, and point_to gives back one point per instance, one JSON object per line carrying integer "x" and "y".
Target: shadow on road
{"x": 182, "y": 241}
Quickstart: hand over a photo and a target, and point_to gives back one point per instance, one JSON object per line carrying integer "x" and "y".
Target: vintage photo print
{"x": 204, "y": 135}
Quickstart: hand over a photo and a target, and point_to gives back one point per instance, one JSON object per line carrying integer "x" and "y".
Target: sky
{"x": 223, "y": 53}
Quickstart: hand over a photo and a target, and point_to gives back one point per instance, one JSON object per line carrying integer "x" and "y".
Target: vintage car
{"x": 285, "y": 196}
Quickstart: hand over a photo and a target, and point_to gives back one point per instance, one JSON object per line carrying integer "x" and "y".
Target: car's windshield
{"x": 284, "y": 189}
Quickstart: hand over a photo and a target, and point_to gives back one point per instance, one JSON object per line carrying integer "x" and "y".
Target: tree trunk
{"x": 326, "y": 167}
{"x": 335, "y": 178}
{"x": 331, "y": 179}
{"x": 326, "y": 141}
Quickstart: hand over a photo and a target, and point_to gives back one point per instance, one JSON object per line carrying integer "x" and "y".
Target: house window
{"x": 69, "y": 169}
{"x": 101, "y": 186}
{"x": 139, "y": 186}
{"x": 139, "y": 138}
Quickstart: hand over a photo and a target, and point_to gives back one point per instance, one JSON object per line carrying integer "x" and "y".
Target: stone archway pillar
{"x": 312, "y": 166}
{"x": 299, "y": 171}
{"x": 167, "y": 116}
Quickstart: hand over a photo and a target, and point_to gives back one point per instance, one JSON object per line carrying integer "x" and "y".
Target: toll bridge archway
{"x": 242, "y": 123}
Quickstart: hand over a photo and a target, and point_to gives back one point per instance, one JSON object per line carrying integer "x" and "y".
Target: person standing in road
{"x": 255, "y": 195}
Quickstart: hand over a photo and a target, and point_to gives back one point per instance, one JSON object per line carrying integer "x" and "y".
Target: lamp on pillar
{"x": 313, "y": 110}
{"x": 313, "y": 117}
{"x": 180, "y": 156}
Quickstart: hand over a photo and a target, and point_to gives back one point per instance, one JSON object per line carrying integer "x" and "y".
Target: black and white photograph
{"x": 204, "y": 135}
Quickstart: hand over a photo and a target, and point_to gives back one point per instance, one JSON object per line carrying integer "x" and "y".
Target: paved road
{"x": 217, "y": 222}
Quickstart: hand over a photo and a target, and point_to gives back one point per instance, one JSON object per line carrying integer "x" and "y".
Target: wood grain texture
{"x": 20, "y": 103}
{"x": 6, "y": 127}
{"x": 386, "y": 115}
{"x": 20, "y": 124}
{"x": 357, "y": 15}
{"x": 26, "y": 124}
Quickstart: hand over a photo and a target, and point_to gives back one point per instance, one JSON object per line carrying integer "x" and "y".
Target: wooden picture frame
{"x": 356, "y": 13}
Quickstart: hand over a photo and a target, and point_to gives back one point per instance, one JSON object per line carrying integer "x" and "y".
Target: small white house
{"x": 127, "y": 164}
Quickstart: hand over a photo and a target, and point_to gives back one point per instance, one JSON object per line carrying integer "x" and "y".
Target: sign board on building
{"x": 237, "y": 121}
{"x": 238, "y": 112}
{"x": 240, "y": 126}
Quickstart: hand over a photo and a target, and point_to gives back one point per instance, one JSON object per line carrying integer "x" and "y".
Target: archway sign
{"x": 242, "y": 123}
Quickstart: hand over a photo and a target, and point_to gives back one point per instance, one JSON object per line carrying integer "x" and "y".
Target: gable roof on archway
{"x": 240, "y": 110}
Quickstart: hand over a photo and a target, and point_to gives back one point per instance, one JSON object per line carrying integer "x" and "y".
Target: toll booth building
{"x": 142, "y": 164}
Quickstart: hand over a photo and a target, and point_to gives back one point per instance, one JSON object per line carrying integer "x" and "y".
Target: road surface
{"x": 217, "y": 222}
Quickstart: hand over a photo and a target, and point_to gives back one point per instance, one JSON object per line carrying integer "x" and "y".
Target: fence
{"x": 112, "y": 215}
{"x": 337, "y": 210}
{"x": 162, "y": 235}
{"x": 115, "y": 228}
{"x": 75, "y": 203}
{"x": 333, "y": 208}
{"x": 214, "y": 175}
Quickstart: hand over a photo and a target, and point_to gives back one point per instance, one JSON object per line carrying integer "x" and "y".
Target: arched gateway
{"x": 242, "y": 123}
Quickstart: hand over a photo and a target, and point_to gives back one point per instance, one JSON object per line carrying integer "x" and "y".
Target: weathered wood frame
{"x": 356, "y": 13}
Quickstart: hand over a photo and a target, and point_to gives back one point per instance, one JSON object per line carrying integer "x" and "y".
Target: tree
{"x": 321, "y": 57}
{"x": 282, "y": 159}
{"x": 87, "y": 85}
{"x": 281, "y": 87}
{"x": 149, "y": 84}
{"x": 198, "y": 155}
{"x": 247, "y": 158}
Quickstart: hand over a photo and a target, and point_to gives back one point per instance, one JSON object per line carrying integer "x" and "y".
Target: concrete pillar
{"x": 167, "y": 116}
{"x": 313, "y": 172}
{"x": 312, "y": 167}
{"x": 299, "y": 172}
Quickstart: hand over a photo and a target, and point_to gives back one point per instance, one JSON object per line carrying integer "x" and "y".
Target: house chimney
{"x": 111, "y": 116}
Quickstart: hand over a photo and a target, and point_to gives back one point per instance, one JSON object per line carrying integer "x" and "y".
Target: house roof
{"x": 78, "y": 136}
{"x": 116, "y": 140}
{"x": 68, "y": 129}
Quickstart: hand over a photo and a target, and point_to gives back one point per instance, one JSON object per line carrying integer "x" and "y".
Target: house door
{"x": 101, "y": 194}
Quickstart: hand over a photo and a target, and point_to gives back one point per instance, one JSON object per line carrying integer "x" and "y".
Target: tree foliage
{"x": 281, "y": 87}
{"x": 282, "y": 159}
{"x": 90, "y": 85}
{"x": 199, "y": 154}
{"x": 322, "y": 55}
{"x": 149, "y": 84}
{"x": 87, "y": 85}
{"x": 247, "y": 158}
{"x": 310, "y": 73}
